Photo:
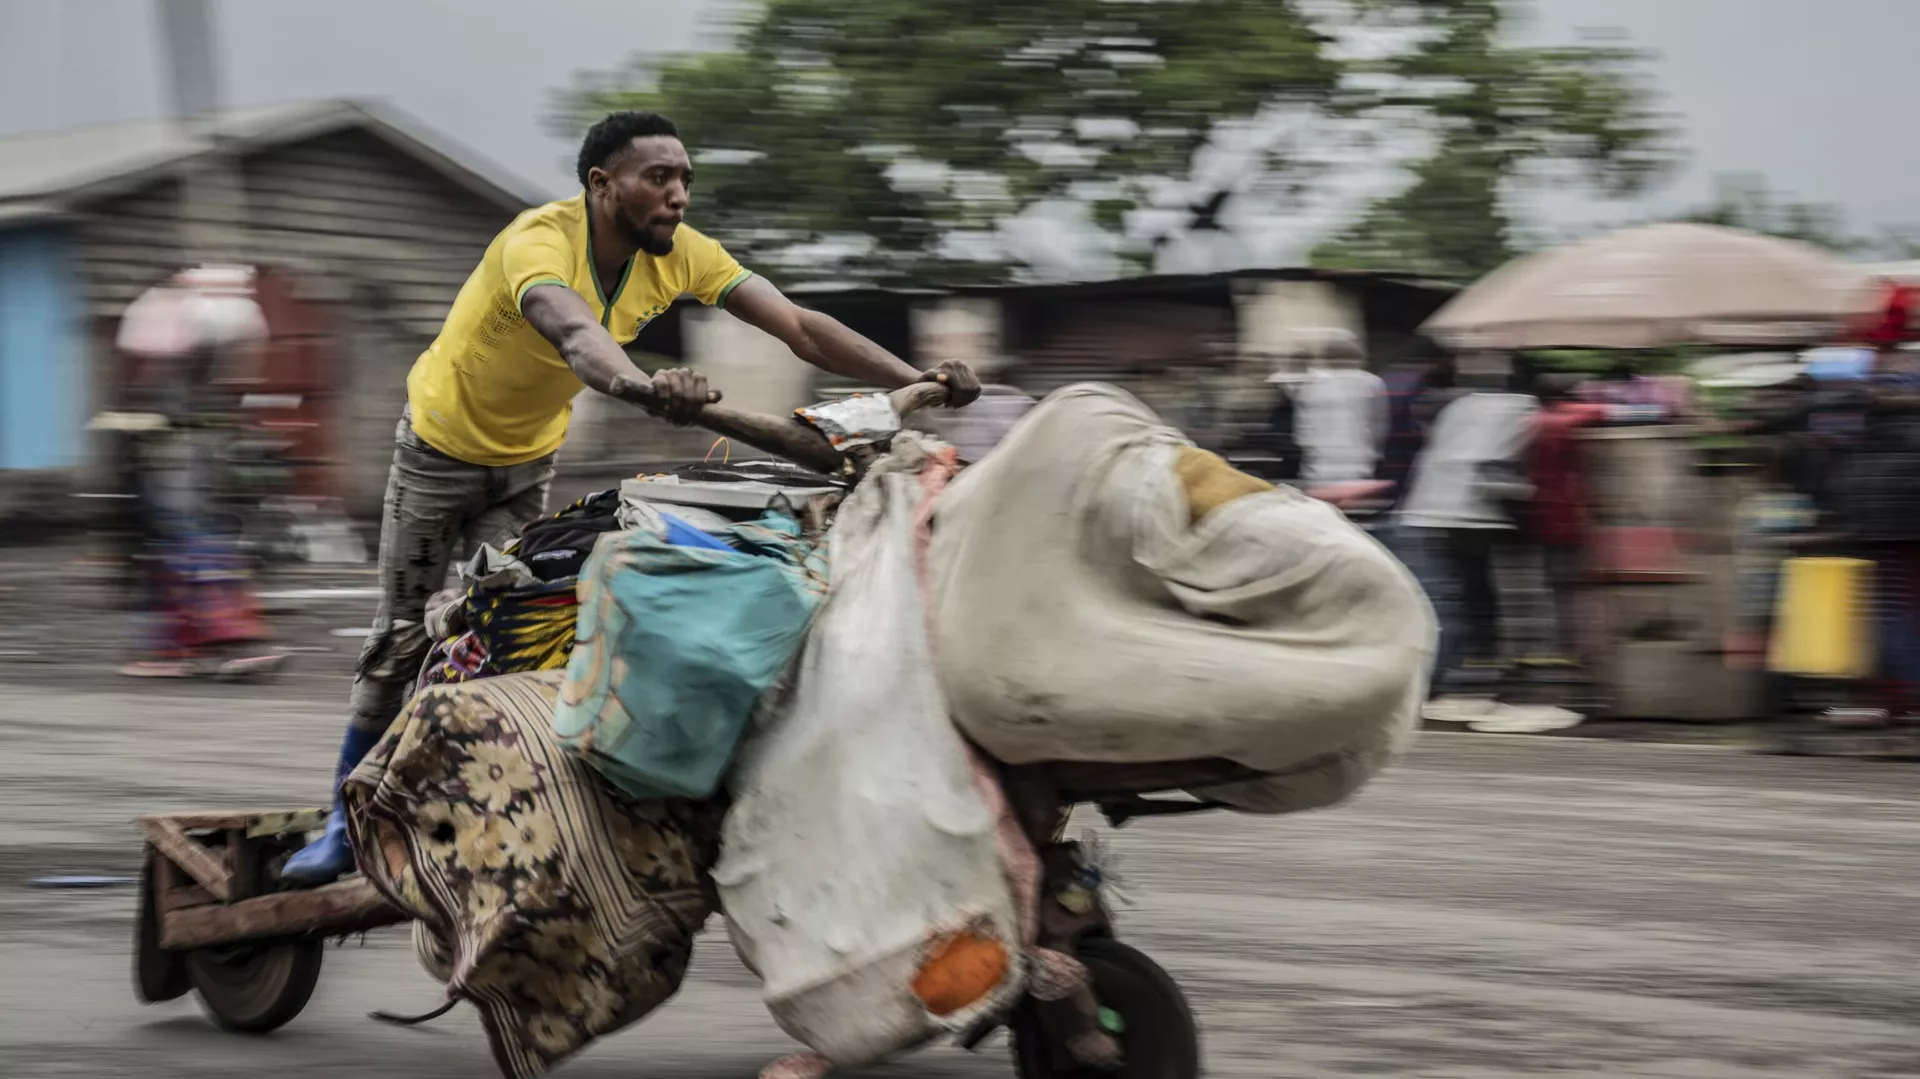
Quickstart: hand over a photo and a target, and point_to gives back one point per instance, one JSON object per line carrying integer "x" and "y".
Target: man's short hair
{"x": 610, "y": 138}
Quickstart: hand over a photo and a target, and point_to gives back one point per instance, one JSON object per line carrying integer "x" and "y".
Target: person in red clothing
{"x": 1558, "y": 515}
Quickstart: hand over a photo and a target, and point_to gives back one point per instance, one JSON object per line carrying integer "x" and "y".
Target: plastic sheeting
{"x": 1081, "y": 614}
{"x": 860, "y": 420}
{"x": 858, "y": 841}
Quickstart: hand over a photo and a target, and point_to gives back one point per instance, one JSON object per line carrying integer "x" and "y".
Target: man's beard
{"x": 649, "y": 241}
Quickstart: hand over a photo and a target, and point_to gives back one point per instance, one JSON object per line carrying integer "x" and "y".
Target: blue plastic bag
{"x": 674, "y": 648}
{"x": 682, "y": 534}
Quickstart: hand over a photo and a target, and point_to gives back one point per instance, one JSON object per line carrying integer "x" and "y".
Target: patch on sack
{"x": 1210, "y": 482}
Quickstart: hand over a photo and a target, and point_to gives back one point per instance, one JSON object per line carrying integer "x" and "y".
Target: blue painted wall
{"x": 42, "y": 356}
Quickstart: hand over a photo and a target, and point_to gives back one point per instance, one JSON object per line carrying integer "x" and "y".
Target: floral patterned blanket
{"x": 559, "y": 909}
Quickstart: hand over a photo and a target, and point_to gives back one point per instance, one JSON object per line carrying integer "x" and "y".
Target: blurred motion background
{"x": 1186, "y": 199}
{"x": 1255, "y": 215}
{"x": 1176, "y": 197}
{"x": 1280, "y": 165}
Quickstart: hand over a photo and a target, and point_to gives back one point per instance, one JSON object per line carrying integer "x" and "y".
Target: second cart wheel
{"x": 254, "y": 988}
{"x": 1151, "y": 1020}
{"x": 157, "y": 974}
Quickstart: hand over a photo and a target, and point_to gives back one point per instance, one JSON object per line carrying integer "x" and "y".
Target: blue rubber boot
{"x": 330, "y": 857}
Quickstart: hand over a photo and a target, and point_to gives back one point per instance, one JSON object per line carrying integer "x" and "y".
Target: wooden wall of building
{"x": 381, "y": 240}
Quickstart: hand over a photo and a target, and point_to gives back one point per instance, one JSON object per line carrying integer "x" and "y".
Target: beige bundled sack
{"x": 1081, "y": 614}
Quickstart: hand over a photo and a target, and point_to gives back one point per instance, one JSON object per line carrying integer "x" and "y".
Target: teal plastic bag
{"x": 674, "y": 648}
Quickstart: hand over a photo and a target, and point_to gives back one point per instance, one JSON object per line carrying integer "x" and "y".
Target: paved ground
{"x": 1495, "y": 907}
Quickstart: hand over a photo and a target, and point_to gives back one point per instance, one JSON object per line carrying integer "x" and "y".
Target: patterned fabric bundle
{"x": 562, "y": 909}
{"x": 525, "y": 629}
{"x": 454, "y": 660}
{"x": 531, "y": 627}
{"x": 559, "y": 909}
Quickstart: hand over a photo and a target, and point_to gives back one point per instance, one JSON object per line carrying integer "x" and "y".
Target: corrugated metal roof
{"x": 49, "y": 172}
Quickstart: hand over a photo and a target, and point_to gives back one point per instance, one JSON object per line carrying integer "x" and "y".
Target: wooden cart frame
{"x": 212, "y": 923}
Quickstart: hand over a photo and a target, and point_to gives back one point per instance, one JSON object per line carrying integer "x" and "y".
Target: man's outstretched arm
{"x": 826, "y": 343}
{"x": 564, "y": 319}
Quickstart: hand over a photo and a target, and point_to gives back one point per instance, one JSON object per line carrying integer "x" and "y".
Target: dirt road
{"x": 1494, "y": 908}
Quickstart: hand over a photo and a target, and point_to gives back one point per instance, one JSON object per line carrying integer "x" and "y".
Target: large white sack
{"x": 857, "y": 838}
{"x": 1080, "y": 616}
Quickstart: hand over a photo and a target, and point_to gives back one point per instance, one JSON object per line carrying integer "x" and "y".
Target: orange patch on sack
{"x": 960, "y": 970}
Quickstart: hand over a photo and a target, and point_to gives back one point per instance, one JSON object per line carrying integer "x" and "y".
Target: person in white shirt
{"x": 1340, "y": 413}
{"x": 1460, "y": 513}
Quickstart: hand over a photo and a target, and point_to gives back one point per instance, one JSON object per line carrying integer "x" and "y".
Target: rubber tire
{"x": 255, "y": 988}
{"x": 1161, "y": 1039}
{"x": 158, "y": 975}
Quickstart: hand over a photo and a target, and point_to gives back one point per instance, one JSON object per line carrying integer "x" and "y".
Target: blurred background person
{"x": 1779, "y": 419}
{"x": 1557, "y": 519}
{"x": 1876, "y": 502}
{"x": 1415, "y": 394}
{"x": 1266, "y": 445}
{"x": 195, "y": 338}
{"x": 1459, "y": 510}
{"x": 1340, "y": 411}
{"x": 1407, "y": 388}
{"x": 1833, "y": 418}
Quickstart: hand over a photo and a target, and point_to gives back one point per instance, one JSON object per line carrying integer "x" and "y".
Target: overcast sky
{"x": 1818, "y": 96}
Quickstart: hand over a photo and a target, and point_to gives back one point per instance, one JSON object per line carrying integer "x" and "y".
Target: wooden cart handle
{"x": 787, "y": 437}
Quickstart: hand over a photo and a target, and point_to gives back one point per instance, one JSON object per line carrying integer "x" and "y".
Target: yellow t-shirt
{"x": 491, "y": 390}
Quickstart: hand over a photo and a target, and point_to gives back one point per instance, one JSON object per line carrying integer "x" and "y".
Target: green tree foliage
{"x": 918, "y": 125}
{"x": 884, "y": 140}
{"x": 1497, "y": 112}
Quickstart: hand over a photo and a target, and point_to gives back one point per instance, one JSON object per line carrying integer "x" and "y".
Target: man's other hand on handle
{"x": 963, "y": 386}
{"x": 678, "y": 395}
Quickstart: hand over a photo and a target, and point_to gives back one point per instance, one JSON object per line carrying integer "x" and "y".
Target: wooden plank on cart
{"x": 350, "y": 906}
{"x": 172, "y": 888}
{"x": 255, "y": 823}
{"x": 171, "y": 839}
{"x": 286, "y": 822}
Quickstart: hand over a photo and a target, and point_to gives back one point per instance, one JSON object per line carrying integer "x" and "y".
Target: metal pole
{"x": 212, "y": 213}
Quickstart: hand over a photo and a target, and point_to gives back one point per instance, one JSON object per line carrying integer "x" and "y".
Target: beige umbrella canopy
{"x": 1656, "y": 286}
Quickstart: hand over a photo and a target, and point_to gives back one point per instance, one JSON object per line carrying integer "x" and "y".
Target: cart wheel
{"x": 157, "y": 974}
{"x": 254, "y": 988}
{"x": 1156, "y": 1031}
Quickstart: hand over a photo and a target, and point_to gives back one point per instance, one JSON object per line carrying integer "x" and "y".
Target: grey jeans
{"x": 436, "y": 509}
